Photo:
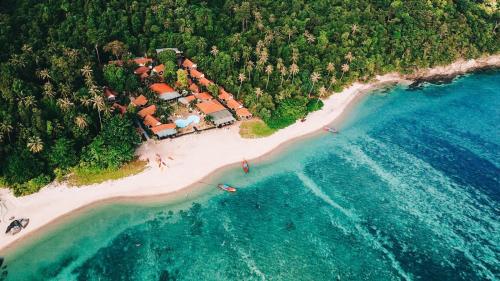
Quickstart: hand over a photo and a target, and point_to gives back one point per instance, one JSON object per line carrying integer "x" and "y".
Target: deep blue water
{"x": 409, "y": 190}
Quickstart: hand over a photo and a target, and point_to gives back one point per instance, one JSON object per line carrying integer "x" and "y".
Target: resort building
{"x": 143, "y": 61}
{"x": 142, "y": 71}
{"x": 164, "y": 130}
{"x": 194, "y": 88}
{"x": 139, "y": 101}
{"x": 219, "y": 114}
{"x": 232, "y": 104}
{"x": 150, "y": 110}
{"x": 196, "y": 74}
{"x": 187, "y": 99}
{"x": 122, "y": 109}
{"x": 204, "y": 96}
{"x": 110, "y": 94}
{"x": 243, "y": 113}
{"x": 223, "y": 95}
{"x": 205, "y": 82}
{"x": 151, "y": 121}
{"x": 159, "y": 69}
{"x": 187, "y": 64}
{"x": 164, "y": 91}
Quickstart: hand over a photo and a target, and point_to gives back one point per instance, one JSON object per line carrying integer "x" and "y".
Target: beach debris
{"x": 16, "y": 226}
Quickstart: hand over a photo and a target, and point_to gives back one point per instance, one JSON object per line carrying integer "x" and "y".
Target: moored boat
{"x": 331, "y": 130}
{"x": 17, "y": 225}
{"x": 245, "y": 166}
{"x": 226, "y": 187}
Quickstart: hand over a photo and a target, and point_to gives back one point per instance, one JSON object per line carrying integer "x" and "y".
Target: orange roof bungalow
{"x": 139, "y": 101}
{"x": 164, "y": 130}
{"x": 143, "y": 61}
{"x": 243, "y": 113}
{"x": 150, "y": 110}
{"x": 189, "y": 64}
{"x": 204, "y": 96}
{"x": 141, "y": 70}
{"x": 225, "y": 96}
{"x": 205, "y": 82}
{"x": 164, "y": 91}
{"x": 151, "y": 121}
{"x": 194, "y": 88}
{"x": 232, "y": 104}
{"x": 186, "y": 100}
{"x": 122, "y": 109}
{"x": 219, "y": 114}
{"x": 159, "y": 69}
{"x": 196, "y": 74}
{"x": 110, "y": 94}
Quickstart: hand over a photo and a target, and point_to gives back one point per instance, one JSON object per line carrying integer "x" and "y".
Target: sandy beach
{"x": 191, "y": 158}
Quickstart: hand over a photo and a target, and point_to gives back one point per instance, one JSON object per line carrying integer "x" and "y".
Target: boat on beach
{"x": 245, "y": 166}
{"x": 330, "y": 129}
{"x": 17, "y": 225}
{"x": 226, "y": 187}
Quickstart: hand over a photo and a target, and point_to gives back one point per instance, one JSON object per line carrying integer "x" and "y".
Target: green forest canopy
{"x": 276, "y": 56}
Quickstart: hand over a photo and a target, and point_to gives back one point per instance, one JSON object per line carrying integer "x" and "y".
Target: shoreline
{"x": 197, "y": 158}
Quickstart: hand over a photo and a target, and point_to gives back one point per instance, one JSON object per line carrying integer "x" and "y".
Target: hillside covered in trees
{"x": 278, "y": 57}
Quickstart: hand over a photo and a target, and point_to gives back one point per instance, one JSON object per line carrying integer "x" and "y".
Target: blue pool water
{"x": 182, "y": 123}
{"x": 408, "y": 190}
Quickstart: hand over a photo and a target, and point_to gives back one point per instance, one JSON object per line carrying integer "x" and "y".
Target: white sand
{"x": 194, "y": 157}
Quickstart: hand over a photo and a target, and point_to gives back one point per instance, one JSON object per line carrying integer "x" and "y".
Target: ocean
{"x": 408, "y": 190}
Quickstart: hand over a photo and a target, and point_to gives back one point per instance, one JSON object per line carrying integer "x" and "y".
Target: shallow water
{"x": 409, "y": 190}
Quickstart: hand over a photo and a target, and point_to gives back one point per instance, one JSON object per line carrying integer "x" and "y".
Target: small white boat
{"x": 331, "y": 130}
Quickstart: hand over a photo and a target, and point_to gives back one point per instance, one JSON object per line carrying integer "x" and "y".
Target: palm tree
{"x": 294, "y": 69}
{"x": 354, "y": 28}
{"x": 314, "y": 78}
{"x": 321, "y": 93}
{"x": 214, "y": 51}
{"x": 295, "y": 55}
{"x": 64, "y": 104}
{"x": 250, "y": 66}
{"x": 283, "y": 72}
{"x": 242, "y": 78}
{"x": 44, "y": 74}
{"x": 269, "y": 70}
{"x": 48, "y": 90}
{"x": 330, "y": 68}
{"x": 258, "y": 93}
{"x": 116, "y": 48}
{"x": 28, "y": 101}
{"x": 345, "y": 68}
{"x": 6, "y": 128}
{"x": 333, "y": 80}
{"x": 81, "y": 121}
{"x": 35, "y": 144}
{"x": 349, "y": 57}
{"x": 87, "y": 71}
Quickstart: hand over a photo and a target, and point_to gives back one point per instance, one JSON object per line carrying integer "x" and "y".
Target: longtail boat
{"x": 331, "y": 130}
{"x": 226, "y": 187}
{"x": 245, "y": 166}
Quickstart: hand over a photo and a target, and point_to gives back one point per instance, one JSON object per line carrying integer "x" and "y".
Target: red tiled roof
{"x": 151, "y": 121}
{"x": 139, "y": 101}
{"x": 210, "y": 106}
{"x": 116, "y": 62}
{"x": 194, "y": 88}
{"x": 109, "y": 93}
{"x": 243, "y": 112}
{"x": 120, "y": 107}
{"x": 162, "y": 127}
{"x": 205, "y": 82}
{"x": 233, "y": 104}
{"x": 196, "y": 74}
{"x": 224, "y": 95}
{"x": 188, "y": 64}
{"x": 203, "y": 96}
{"x": 150, "y": 110}
{"x": 190, "y": 98}
{"x": 159, "y": 68}
{"x": 142, "y": 61}
{"x": 144, "y": 75}
{"x": 161, "y": 88}
{"x": 141, "y": 70}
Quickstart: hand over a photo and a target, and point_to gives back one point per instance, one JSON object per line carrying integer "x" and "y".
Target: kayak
{"x": 226, "y": 187}
{"x": 331, "y": 130}
{"x": 245, "y": 166}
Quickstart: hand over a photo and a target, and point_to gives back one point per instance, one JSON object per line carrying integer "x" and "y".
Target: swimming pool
{"x": 182, "y": 123}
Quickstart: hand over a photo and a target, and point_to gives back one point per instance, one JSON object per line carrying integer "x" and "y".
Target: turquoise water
{"x": 182, "y": 123}
{"x": 409, "y": 190}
